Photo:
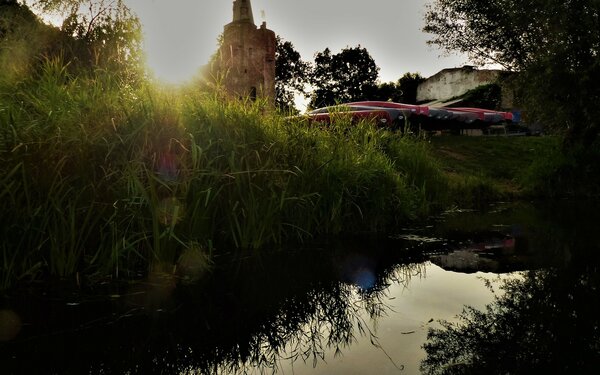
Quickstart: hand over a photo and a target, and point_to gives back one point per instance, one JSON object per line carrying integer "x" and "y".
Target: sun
{"x": 179, "y": 36}
{"x": 173, "y": 63}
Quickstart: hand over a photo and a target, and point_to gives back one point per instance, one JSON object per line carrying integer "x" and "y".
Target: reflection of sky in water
{"x": 436, "y": 294}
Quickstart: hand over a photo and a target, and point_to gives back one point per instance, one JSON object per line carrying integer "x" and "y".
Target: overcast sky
{"x": 180, "y": 35}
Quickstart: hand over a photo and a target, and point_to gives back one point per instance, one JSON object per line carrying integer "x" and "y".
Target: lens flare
{"x": 359, "y": 270}
{"x": 170, "y": 211}
{"x": 167, "y": 167}
{"x": 10, "y": 325}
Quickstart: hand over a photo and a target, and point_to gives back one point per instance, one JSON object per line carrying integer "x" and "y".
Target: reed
{"x": 100, "y": 178}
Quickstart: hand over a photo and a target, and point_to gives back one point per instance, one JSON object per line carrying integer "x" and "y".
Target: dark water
{"x": 347, "y": 307}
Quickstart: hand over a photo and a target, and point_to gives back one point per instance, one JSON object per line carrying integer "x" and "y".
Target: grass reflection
{"x": 252, "y": 315}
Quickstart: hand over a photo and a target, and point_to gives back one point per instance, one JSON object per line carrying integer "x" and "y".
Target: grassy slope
{"x": 500, "y": 161}
{"x": 99, "y": 178}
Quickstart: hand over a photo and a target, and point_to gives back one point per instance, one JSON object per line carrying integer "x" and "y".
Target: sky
{"x": 180, "y": 35}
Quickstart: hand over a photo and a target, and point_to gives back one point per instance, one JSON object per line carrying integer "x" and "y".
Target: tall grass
{"x": 99, "y": 178}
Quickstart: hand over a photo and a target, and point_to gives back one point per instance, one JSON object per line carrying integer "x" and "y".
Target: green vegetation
{"x": 103, "y": 178}
{"x": 487, "y": 96}
{"x": 498, "y": 165}
{"x": 556, "y": 173}
{"x": 555, "y": 50}
{"x": 104, "y": 174}
{"x": 481, "y": 169}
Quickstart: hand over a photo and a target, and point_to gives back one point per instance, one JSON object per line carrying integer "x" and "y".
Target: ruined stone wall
{"x": 451, "y": 83}
{"x": 248, "y": 60}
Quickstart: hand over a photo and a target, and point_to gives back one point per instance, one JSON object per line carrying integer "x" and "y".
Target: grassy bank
{"x": 102, "y": 179}
{"x": 481, "y": 169}
{"x": 517, "y": 167}
{"x": 105, "y": 175}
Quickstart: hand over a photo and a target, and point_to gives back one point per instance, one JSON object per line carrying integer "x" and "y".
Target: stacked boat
{"x": 425, "y": 117}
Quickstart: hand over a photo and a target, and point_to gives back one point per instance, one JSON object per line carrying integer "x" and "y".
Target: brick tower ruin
{"x": 247, "y": 56}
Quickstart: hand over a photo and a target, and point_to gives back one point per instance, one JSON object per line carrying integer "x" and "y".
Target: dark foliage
{"x": 402, "y": 91}
{"x": 107, "y": 36}
{"x": 554, "y": 44}
{"x": 485, "y": 96}
{"x": 349, "y": 75}
{"x": 291, "y": 75}
{"x": 543, "y": 322}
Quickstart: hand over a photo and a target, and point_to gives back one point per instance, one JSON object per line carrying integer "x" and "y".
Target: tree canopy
{"x": 291, "y": 75}
{"x": 554, "y": 44}
{"x": 349, "y": 75}
{"x": 402, "y": 91}
{"x": 95, "y": 35}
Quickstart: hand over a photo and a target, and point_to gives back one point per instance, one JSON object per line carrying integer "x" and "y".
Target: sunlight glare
{"x": 179, "y": 35}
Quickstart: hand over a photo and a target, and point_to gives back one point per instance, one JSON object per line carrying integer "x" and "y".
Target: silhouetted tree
{"x": 555, "y": 45}
{"x": 291, "y": 75}
{"x": 543, "y": 323}
{"x": 402, "y": 91}
{"x": 409, "y": 83}
{"x": 12, "y": 15}
{"x": 349, "y": 75}
{"x": 389, "y": 91}
{"x": 487, "y": 96}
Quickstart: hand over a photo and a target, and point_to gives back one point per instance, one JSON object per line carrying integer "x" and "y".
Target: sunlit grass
{"x": 102, "y": 179}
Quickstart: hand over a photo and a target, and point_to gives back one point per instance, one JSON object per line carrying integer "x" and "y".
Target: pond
{"x": 354, "y": 306}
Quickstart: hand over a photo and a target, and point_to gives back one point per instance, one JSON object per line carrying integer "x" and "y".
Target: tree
{"x": 13, "y": 15}
{"x": 389, "y": 91}
{"x": 291, "y": 75}
{"x": 25, "y": 41}
{"x": 402, "y": 91}
{"x": 408, "y": 84}
{"x": 349, "y": 75}
{"x": 100, "y": 34}
{"x": 487, "y": 96}
{"x": 554, "y": 44}
{"x": 542, "y": 321}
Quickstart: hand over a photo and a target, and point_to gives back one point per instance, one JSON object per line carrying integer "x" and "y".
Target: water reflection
{"x": 546, "y": 322}
{"x": 320, "y": 307}
{"x": 250, "y": 314}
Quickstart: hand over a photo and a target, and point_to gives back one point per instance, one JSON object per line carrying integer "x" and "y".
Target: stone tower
{"x": 247, "y": 56}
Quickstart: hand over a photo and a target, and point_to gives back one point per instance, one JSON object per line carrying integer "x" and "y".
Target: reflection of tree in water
{"x": 546, "y": 322}
{"x": 326, "y": 319}
{"x": 250, "y": 316}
